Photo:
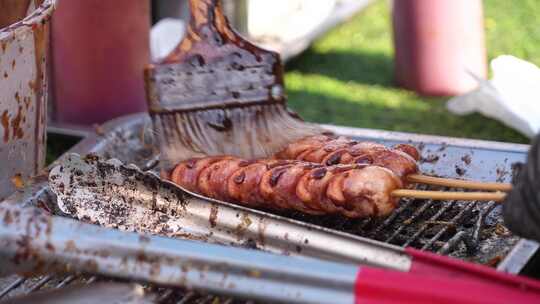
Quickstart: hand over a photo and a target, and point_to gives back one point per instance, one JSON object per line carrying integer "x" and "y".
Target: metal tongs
{"x": 33, "y": 242}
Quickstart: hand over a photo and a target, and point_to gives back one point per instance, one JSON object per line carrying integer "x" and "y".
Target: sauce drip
{"x": 363, "y": 160}
{"x": 319, "y": 173}
{"x": 334, "y": 159}
{"x": 5, "y": 125}
{"x": 240, "y": 178}
{"x": 274, "y": 178}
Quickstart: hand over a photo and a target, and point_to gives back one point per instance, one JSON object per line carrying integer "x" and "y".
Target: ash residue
{"x": 460, "y": 171}
{"x": 501, "y": 174}
{"x": 431, "y": 159}
{"x": 443, "y": 147}
{"x": 466, "y": 159}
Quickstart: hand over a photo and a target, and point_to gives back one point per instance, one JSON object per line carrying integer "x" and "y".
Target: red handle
{"x": 426, "y": 263}
{"x": 374, "y": 285}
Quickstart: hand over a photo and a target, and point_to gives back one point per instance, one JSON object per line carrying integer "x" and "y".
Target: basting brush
{"x": 217, "y": 93}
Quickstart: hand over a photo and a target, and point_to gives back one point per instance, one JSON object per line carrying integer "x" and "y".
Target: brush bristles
{"x": 249, "y": 132}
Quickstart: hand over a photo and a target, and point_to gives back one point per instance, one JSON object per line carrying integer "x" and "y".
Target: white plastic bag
{"x": 165, "y": 36}
{"x": 512, "y": 96}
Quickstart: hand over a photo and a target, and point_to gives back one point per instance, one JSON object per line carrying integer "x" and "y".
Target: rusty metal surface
{"x": 34, "y": 242}
{"x": 23, "y": 96}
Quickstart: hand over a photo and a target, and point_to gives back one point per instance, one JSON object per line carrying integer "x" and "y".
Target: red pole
{"x": 436, "y": 42}
{"x": 100, "y": 48}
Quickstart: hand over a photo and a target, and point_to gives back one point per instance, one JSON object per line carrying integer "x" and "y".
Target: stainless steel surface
{"x": 415, "y": 223}
{"x": 66, "y": 129}
{"x": 23, "y": 95}
{"x": 32, "y": 241}
{"x": 117, "y": 196}
{"x": 519, "y": 256}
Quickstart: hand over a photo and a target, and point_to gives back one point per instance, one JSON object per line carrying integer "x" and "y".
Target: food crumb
{"x": 17, "y": 181}
{"x": 460, "y": 171}
{"x": 494, "y": 261}
{"x": 254, "y": 273}
{"x": 431, "y": 158}
{"x": 466, "y": 159}
{"x": 501, "y": 230}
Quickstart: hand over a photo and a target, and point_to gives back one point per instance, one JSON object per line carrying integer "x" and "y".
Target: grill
{"x": 470, "y": 231}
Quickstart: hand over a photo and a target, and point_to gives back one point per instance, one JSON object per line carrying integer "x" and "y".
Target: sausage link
{"x": 353, "y": 190}
{"x": 400, "y": 159}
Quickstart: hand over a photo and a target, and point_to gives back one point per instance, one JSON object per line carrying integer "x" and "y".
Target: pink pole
{"x": 100, "y": 48}
{"x": 436, "y": 42}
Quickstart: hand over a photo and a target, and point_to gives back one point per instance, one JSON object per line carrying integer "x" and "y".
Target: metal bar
{"x": 423, "y": 228}
{"x": 411, "y": 219}
{"x": 165, "y": 295}
{"x": 66, "y": 281}
{"x": 519, "y": 256}
{"x": 444, "y": 229}
{"x": 12, "y": 287}
{"x": 404, "y": 205}
{"x": 44, "y": 280}
{"x": 91, "y": 280}
{"x": 458, "y": 237}
{"x": 32, "y": 241}
{"x": 190, "y": 296}
{"x": 70, "y": 129}
{"x": 480, "y": 221}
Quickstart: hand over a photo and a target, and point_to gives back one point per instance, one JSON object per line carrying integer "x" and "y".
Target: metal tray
{"x": 128, "y": 139}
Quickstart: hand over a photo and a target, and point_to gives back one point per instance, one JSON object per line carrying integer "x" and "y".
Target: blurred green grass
{"x": 346, "y": 77}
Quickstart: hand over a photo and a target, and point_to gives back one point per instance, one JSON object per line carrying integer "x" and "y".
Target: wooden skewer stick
{"x": 457, "y": 183}
{"x": 445, "y": 195}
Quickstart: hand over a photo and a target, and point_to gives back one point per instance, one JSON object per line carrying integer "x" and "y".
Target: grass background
{"x": 346, "y": 77}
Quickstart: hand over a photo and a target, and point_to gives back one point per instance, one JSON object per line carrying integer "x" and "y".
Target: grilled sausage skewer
{"x": 401, "y": 159}
{"x": 355, "y": 191}
{"x": 351, "y": 190}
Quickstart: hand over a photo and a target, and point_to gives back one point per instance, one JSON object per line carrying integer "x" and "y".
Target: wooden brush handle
{"x": 209, "y": 35}
{"x": 208, "y": 14}
{"x": 214, "y": 67}
{"x": 205, "y": 12}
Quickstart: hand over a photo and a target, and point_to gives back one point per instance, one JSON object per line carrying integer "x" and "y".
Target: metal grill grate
{"x": 460, "y": 229}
